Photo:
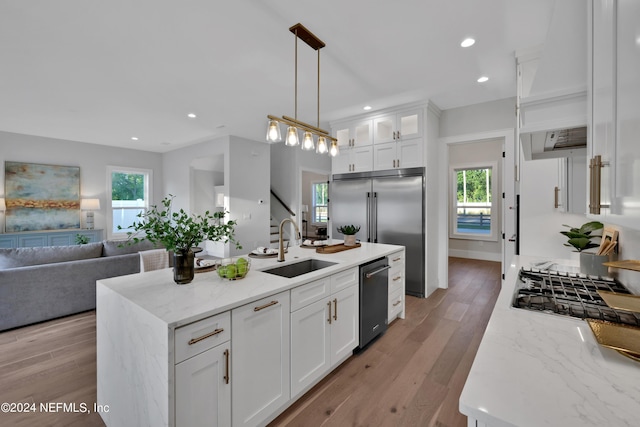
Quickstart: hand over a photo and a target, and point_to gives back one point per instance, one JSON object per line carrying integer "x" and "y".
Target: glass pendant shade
{"x": 273, "y": 131}
{"x": 333, "y": 151}
{"x": 307, "y": 141}
{"x": 292, "y": 136}
{"x": 322, "y": 145}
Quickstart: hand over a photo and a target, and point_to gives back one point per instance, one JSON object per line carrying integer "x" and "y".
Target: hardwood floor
{"x": 411, "y": 376}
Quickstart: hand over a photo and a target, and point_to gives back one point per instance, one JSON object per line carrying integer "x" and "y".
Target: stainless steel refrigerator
{"x": 389, "y": 208}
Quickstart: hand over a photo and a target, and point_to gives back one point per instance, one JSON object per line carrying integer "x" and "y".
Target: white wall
{"x": 246, "y": 174}
{"x": 479, "y": 118}
{"x": 92, "y": 159}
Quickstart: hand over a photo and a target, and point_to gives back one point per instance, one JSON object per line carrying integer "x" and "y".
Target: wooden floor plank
{"x": 411, "y": 376}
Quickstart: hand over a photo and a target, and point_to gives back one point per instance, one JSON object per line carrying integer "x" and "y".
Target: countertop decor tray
{"x": 630, "y": 264}
{"x": 621, "y": 301}
{"x": 623, "y": 338}
{"x": 332, "y": 249}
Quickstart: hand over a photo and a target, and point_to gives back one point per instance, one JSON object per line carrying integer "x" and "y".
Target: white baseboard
{"x": 484, "y": 256}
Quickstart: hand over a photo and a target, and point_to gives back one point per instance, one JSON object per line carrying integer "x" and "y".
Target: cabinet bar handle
{"x": 556, "y": 190}
{"x": 396, "y": 303}
{"x": 262, "y": 307}
{"x": 335, "y": 311}
{"x": 329, "y": 319}
{"x": 397, "y": 259}
{"x": 204, "y": 337}
{"x": 398, "y": 163}
{"x": 226, "y": 366}
{"x": 398, "y": 134}
{"x": 395, "y": 279}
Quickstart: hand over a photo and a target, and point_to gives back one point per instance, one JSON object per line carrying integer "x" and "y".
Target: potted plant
{"x": 349, "y": 232}
{"x": 178, "y": 232}
{"x": 581, "y": 240}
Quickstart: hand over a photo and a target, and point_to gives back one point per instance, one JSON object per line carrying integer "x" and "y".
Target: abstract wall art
{"x": 41, "y": 197}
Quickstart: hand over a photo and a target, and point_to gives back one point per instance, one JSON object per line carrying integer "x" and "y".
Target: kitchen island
{"x": 540, "y": 369}
{"x": 163, "y": 350}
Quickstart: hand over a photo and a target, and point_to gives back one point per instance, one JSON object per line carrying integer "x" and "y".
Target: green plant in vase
{"x": 349, "y": 232}
{"x": 179, "y": 232}
{"x": 580, "y": 238}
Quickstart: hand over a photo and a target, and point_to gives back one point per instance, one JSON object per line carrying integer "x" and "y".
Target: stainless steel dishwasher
{"x": 373, "y": 300}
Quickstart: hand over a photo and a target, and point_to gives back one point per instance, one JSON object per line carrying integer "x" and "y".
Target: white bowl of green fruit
{"x": 234, "y": 269}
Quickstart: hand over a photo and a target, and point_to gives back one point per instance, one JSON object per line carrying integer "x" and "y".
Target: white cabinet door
{"x": 203, "y": 392}
{"x": 353, "y": 159}
{"x": 342, "y": 162}
{"x": 603, "y": 94}
{"x": 626, "y": 199}
{"x": 310, "y": 345}
{"x": 400, "y": 154}
{"x": 260, "y": 370}
{"x": 362, "y": 158}
{"x": 384, "y": 129}
{"x": 384, "y": 156}
{"x": 398, "y": 126}
{"x": 345, "y": 333}
{"x": 409, "y": 153}
{"x": 354, "y": 134}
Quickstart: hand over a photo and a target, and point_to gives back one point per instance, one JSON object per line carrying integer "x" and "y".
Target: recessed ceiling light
{"x": 467, "y": 42}
{"x": 192, "y": 115}
{"x": 367, "y": 107}
{"x": 483, "y": 79}
{"x": 134, "y": 138}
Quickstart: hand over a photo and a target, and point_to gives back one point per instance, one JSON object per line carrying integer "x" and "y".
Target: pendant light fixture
{"x": 291, "y": 137}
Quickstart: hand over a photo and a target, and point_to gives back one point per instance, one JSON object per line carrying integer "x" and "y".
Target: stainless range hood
{"x": 554, "y": 126}
{"x": 546, "y": 144}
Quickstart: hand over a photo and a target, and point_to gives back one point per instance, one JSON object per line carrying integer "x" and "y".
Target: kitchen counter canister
{"x": 535, "y": 369}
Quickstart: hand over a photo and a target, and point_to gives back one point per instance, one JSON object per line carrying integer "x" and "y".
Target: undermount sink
{"x": 299, "y": 268}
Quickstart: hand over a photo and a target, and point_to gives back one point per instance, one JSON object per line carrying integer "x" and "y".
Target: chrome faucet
{"x": 280, "y": 240}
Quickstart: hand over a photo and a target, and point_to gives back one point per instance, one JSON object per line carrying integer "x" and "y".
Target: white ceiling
{"x": 104, "y": 71}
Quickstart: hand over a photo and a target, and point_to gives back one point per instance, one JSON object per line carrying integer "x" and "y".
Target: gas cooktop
{"x": 570, "y": 294}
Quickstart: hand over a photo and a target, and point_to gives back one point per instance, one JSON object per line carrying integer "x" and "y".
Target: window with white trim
{"x": 473, "y": 214}
{"x": 129, "y": 191}
{"x": 320, "y": 202}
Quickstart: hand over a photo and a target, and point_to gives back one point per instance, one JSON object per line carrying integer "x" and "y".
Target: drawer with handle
{"x": 202, "y": 335}
{"x": 396, "y": 259}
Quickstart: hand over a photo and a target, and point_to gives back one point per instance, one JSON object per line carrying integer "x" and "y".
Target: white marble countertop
{"x": 208, "y": 294}
{"x": 537, "y": 369}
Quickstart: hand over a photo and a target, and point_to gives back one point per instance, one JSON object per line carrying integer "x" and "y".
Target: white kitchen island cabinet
{"x": 260, "y": 350}
{"x": 324, "y": 328}
{"x": 215, "y": 351}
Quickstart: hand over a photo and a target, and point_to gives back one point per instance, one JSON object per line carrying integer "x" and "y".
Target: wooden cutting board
{"x": 630, "y": 264}
{"x": 332, "y": 249}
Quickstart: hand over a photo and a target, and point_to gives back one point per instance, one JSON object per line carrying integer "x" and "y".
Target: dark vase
{"x": 183, "y": 262}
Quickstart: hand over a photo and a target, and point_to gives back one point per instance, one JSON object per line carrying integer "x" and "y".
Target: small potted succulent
{"x": 178, "y": 232}
{"x": 349, "y": 232}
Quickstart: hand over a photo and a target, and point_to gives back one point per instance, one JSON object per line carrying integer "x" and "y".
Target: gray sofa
{"x": 38, "y": 284}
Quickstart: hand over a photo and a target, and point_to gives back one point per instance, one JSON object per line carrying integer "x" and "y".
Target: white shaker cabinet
{"x": 406, "y": 153}
{"x": 614, "y": 166}
{"x": 397, "y": 126}
{"x": 325, "y": 331}
{"x": 353, "y": 159}
{"x": 260, "y": 369}
{"x": 396, "y": 286}
{"x": 354, "y": 134}
{"x": 203, "y": 391}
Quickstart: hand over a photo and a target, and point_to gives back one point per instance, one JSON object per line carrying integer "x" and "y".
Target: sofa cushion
{"x": 123, "y": 247}
{"x": 23, "y": 257}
